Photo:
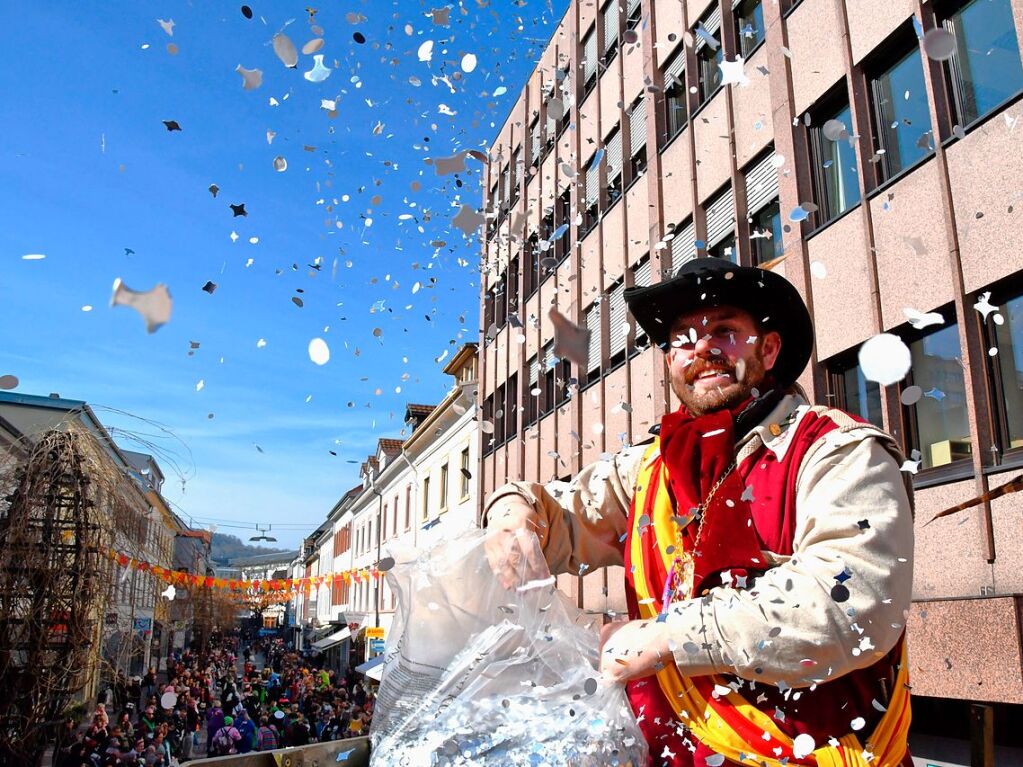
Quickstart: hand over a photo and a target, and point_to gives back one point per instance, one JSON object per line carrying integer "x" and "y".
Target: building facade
{"x": 415, "y": 489}
{"x": 133, "y": 625}
{"x": 869, "y": 153}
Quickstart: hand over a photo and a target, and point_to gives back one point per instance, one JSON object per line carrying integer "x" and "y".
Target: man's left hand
{"x": 633, "y": 650}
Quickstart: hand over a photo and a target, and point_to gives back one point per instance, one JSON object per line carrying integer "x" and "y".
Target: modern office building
{"x": 869, "y": 152}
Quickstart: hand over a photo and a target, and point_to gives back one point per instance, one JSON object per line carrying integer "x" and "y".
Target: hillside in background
{"x": 227, "y": 547}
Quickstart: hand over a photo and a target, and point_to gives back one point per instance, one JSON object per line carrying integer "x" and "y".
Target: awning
{"x": 333, "y": 639}
{"x": 373, "y": 668}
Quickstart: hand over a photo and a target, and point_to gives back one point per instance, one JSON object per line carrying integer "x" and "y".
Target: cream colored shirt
{"x": 784, "y": 627}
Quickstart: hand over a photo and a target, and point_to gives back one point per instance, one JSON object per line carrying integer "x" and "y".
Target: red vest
{"x": 823, "y": 711}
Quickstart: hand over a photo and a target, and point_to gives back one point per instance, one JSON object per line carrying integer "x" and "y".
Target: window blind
{"x": 616, "y": 319}
{"x": 720, "y": 217}
{"x": 534, "y": 372}
{"x": 613, "y": 155}
{"x": 592, "y": 183}
{"x": 683, "y": 246}
{"x": 593, "y": 325}
{"x": 712, "y": 24}
{"x": 590, "y": 55}
{"x": 610, "y": 25}
{"x": 644, "y": 274}
{"x": 637, "y": 127}
{"x": 761, "y": 184}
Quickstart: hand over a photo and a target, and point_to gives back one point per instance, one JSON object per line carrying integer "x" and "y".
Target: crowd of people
{"x": 218, "y": 703}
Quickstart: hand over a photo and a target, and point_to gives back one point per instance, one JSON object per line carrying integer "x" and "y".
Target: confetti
{"x": 246, "y": 12}
{"x": 8, "y": 382}
{"x": 319, "y": 72}
{"x": 171, "y": 125}
{"x": 280, "y": 164}
{"x": 312, "y": 46}
{"x": 251, "y": 78}
{"x": 425, "y": 52}
{"x": 732, "y": 72}
{"x": 939, "y": 44}
{"x": 154, "y": 305}
{"x": 885, "y": 359}
{"x": 238, "y": 210}
{"x": 319, "y": 352}
{"x": 33, "y": 257}
{"x": 920, "y": 320}
{"x": 285, "y": 50}
{"x": 168, "y": 26}
{"x": 571, "y": 341}
{"x": 468, "y": 63}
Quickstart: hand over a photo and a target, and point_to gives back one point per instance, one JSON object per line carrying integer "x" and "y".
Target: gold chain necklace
{"x": 680, "y": 583}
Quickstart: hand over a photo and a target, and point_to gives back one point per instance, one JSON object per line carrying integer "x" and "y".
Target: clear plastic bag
{"x": 476, "y": 674}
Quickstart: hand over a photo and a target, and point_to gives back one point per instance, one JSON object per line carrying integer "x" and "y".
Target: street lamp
{"x": 263, "y": 534}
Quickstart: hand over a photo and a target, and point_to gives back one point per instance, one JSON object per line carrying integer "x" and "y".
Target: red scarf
{"x": 696, "y": 452}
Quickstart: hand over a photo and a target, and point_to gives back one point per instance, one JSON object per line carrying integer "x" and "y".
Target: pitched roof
{"x": 390, "y": 446}
{"x": 420, "y": 410}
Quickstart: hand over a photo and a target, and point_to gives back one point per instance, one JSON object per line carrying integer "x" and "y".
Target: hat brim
{"x": 768, "y": 297}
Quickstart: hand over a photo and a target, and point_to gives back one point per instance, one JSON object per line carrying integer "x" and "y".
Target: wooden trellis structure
{"x": 53, "y": 582}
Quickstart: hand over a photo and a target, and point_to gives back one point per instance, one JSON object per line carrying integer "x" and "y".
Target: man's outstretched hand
{"x": 633, "y": 649}
{"x": 514, "y": 556}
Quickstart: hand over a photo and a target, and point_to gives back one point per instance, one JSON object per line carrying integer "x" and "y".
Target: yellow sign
{"x": 374, "y": 632}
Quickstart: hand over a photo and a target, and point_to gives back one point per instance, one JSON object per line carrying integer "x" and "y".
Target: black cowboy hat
{"x": 705, "y": 282}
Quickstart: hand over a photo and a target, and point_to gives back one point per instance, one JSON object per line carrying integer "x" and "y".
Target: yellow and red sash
{"x": 728, "y": 723}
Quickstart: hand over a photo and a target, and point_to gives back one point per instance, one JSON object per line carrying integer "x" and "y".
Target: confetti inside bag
{"x": 477, "y": 674}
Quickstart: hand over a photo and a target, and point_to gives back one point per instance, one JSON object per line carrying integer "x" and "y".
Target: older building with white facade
{"x": 414, "y": 491}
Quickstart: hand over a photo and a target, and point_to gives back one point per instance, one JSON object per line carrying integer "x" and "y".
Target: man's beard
{"x": 700, "y": 402}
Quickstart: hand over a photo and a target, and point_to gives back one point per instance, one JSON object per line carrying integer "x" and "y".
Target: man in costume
{"x": 767, "y": 544}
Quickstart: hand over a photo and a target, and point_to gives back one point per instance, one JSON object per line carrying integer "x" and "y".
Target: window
{"x": 547, "y": 395}
{"x": 500, "y": 303}
{"x": 749, "y": 26}
{"x": 515, "y": 171}
{"x": 617, "y": 325}
{"x": 499, "y": 402}
{"x": 488, "y": 311}
{"x": 837, "y": 182}
{"x": 551, "y": 110}
{"x": 984, "y": 69}
{"x": 938, "y": 423}
{"x": 1004, "y": 332}
{"x": 592, "y": 372}
{"x": 721, "y": 226}
{"x": 394, "y": 519}
{"x": 852, "y": 392}
{"x": 531, "y": 396}
{"x": 902, "y": 120}
{"x": 511, "y": 407}
{"x": 683, "y": 243}
{"x": 512, "y": 288}
{"x": 609, "y": 17}
{"x": 408, "y": 507}
{"x": 535, "y": 141}
{"x": 637, "y": 138}
{"x": 383, "y": 525}
{"x": 444, "y": 488}
{"x": 635, "y": 13}
{"x": 487, "y": 425}
{"x": 642, "y": 276}
{"x": 466, "y": 473}
{"x": 531, "y": 276}
{"x": 766, "y": 233}
{"x": 613, "y": 162}
{"x": 564, "y": 220}
{"x": 590, "y": 61}
{"x": 591, "y": 194}
{"x": 763, "y": 209}
{"x": 676, "y": 98}
{"x": 565, "y": 89}
{"x": 426, "y": 497}
{"x": 709, "y": 54}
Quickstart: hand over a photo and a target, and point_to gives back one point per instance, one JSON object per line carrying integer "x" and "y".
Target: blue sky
{"x": 89, "y": 173}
